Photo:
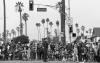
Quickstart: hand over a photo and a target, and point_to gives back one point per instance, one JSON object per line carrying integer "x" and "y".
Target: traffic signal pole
{"x": 63, "y": 39}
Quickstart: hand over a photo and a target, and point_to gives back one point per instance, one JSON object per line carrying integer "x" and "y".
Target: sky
{"x": 84, "y": 12}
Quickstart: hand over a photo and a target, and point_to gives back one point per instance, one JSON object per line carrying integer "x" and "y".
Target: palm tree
{"x": 83, "y": 29}
{"x": 10, "y": 35}
{"x": 50, "y": 23}
{"x": 38, "y": 28}
{"x": 77, "y": 29}
{"x": 76, "y": 25}
{"x": 47, "y": 20}
{"x": 55, "y": 32}
{"x": 18, "y": 30}
{"x": 0, "y": 35}
{"x": 7, "y": 32}
{"x": 57, "y": 23}
{"x": 90, "y": 31}
{"x": 43, "y": 21}
{"x": 13, "y": 32}
{"x": 19, "y": 6}
{"x": 25, "y": 18}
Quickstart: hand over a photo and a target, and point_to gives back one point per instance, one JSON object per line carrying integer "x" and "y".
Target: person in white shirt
{"x": 75, "y": 54}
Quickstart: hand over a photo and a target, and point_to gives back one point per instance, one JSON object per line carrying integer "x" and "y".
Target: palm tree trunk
{"x": 58, "y": 30}
{"x": 21, "y": 30}
{"x": 47, "y": 29}
{"x": 44, "y": 30}
{"x": 18, "y": 33}
{"x": 13, "y": 35}
{"x": 25, "y": 28}
{"x": 83, "y": 32}
{"x": 38, "y": 33}
{"x": 51, "y": 29}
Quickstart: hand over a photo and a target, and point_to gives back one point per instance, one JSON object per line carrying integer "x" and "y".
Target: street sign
{"x": 41, "y": 9}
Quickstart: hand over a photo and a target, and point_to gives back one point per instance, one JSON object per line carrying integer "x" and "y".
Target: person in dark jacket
{"x": 45, "y": 50}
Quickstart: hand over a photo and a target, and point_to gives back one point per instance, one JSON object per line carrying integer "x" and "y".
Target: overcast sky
{"x": 85, "y": 12}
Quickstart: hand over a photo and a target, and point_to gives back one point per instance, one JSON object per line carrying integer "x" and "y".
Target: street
{"x": 42, "y": 62}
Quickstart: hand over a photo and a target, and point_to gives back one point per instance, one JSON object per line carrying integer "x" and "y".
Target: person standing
{"x": 45, "y": 50}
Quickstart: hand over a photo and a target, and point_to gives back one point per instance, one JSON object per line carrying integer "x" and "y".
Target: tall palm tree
{"x": 13, "y": 32}
{"x": 7, "y": 32}
{"x": 19, "y": 6}
{"x": 47, "y": 20}
{"x": 57, "y": 23}
{"x": 43, "y": 22}
{"x": 83, "y": 29}
{"x": 0, "y": 35}
{"x": 50, "y": 23}
{"x": 10, "y": 35}
{"x": 77, "y": 25}
{"x": 18, "y": 30}
{"x": 90, "y": 31}
{"x": 25, "y": 18}
{"x": 38, "y": 28}
{"x": 77, "y": 29}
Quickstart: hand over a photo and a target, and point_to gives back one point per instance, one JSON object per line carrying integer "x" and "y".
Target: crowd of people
{"x": 77, "y": 51}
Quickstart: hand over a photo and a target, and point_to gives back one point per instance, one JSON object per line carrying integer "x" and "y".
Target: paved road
{"x": 41, "y": 62}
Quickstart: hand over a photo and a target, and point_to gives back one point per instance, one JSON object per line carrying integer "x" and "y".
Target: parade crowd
{"x": 77, "y": 51}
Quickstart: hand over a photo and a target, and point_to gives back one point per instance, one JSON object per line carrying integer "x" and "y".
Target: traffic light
{"x": 31, "y": 5}
{"x": 74, "y": 34}
{"x": 71, "y": 29}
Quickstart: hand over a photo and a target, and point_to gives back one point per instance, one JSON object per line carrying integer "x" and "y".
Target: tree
{"x": 57, "y": 23}
{"x": 18, "y": 30}
{"x": 7, "y": 33}
{"x": 77, "y": 29}
{"x": 22, "y": 39}
{"x": 0, "y": 35}
{"x": 43, "y": 22}
{"x": 90, "y": 31}
{"x": 47, "y": 20}
{"x": 38, "y": 28}
{"x": 50, "y": 23}
{"x": 83, "y": 29}
{"x": 10, "y": 35}
{"x": 19, "y": 6}
{"x": 25, "y": 18}
{"x": 13, "y": 32}
{"x": 77, "y": 25}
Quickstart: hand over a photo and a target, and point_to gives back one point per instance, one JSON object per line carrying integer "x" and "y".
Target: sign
{"x": 41, "y": 9}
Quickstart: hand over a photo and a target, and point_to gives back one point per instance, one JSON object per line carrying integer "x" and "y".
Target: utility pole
{"x": 4, "y": 36}
{"x": 63, "y": 39}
